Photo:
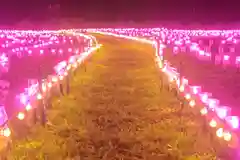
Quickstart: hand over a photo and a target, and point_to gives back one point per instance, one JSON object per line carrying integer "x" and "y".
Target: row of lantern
{"x": 219, "y": 117}
{"x": 181, "y": 37}
{"x": 230, "y": 34}
{"x": 185, "y": 38}
{"x": 61, "y": 69}
{"x": 41, "y": 47}
{"x": 178, "y": 35}
{"x": 33, "y": 93}
{"x": 30, "y": 50}
{"x": 29, "y": 41}
{"x": 228, "y": 58}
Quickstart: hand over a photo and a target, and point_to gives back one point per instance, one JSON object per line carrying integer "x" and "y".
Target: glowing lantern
{"x": 41, "y": 51}
{"x": 227, "y": 136}
{"x": 181, "y": 88}
{"x": 54, "y": 79}
{"x": 195, "y": 89}
{"x": 213, "y": 123}
{"x": 184, "y": 81}
{"x": 68, "y": 67}
{"x": 69, "y": 49}
{"x": 219, "y": 132}
{"x": 212, "y": 103}
{"x": 6, "y": 132}
{"x": 49, "y": 85}
{"x": 192, "y": 103}
{"x": 21, "y": 115}
{"x": 187, "y": 96}
{"x": 44, "y": 87}
{"x": 61, "y": 77}
{"x": 23, "y": 98}
{"x": 28, "y": 107}
{"x": 39, "y": 96}
{"x": 226, "y": 57}
{"x": 201, "y": 53}
{"x": 204, "y": 97}
{"x": 204, "y": 111}
{"x": 223, "y": 111}
{"x": 233, "y": 121}
{"x": 60, "y": 51}
{"x": 75, "y": 65}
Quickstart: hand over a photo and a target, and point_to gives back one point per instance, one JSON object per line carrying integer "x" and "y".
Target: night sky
{"x": 12, "y": 11}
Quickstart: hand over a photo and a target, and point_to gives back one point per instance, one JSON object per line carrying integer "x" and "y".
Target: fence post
{"x": 67, "y": 83}
{"x": 42, "y": 106}
{"x": 34, "y": 112}
{"x": 43, "y": 113}
{"x": 61, "y": 88}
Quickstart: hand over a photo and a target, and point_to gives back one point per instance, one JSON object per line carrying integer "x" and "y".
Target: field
{"x": 120, "y": 108}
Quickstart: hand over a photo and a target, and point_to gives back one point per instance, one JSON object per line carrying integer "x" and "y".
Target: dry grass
{"x": 118, "y": 111}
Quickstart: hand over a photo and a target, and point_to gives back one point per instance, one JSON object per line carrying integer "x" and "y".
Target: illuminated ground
{"x": 117, "y": 110}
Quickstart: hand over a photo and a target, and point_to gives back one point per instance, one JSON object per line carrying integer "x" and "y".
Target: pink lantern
{"x": 212, "y": 103}
{"x": 201, "y": 53}
{"x": 204, "y": 96}
{"x": 233, "y": 121}
{"x": 195, "y": 89}
{"x": 184, "y": 81}
{"x": 226, "y": 57}
{"x": 223, "y": 111}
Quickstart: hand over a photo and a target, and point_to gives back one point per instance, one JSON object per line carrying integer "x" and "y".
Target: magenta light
{"x": 204, "y": 97}
{"x": 23, "y": 99}
{"x": 223, "y": 111}
{"x": 201, "y": 53}
{"x": 233, "y": 121}
{"x": 226, "y": 57}
{"x": 195, "y": 89}
{"x": 212, "y": 103}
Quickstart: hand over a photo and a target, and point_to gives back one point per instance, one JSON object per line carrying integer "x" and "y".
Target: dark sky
{"x": 12, "y": 11}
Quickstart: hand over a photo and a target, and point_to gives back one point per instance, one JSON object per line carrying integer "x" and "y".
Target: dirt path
{"x": 117, "y": 110}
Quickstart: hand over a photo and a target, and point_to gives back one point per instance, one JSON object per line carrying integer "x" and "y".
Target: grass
{"x": 117, "y": 110}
